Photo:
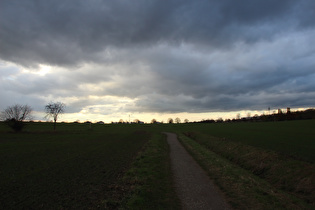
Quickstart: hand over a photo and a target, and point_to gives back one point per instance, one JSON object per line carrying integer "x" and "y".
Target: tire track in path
{"x": 193, "y": 187}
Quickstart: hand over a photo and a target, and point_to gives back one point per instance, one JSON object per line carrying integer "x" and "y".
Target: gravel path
{"x": 193, "y": 186}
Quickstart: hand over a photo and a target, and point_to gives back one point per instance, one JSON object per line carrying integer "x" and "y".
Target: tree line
{"x": 16, "y": 115}
{"x": 280, "y": 116}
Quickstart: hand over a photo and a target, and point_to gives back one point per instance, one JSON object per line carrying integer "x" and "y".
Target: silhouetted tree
{"x": 54, "y": 109}
{"x": 153, "y": 121}
{"x": 177, "y": 120}
{"x": 186, "y": 121}
{"x": 219, "y": 120}
{"x": 170, "y": 120}
{"x": 15, "y": 115}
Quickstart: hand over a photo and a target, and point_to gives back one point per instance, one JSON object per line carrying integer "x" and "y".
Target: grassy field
{"x": 293, "y": 138}
{"x": 127, "y": 166}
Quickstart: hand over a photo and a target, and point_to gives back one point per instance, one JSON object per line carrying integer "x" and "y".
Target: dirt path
{"x": 193, "y": 186}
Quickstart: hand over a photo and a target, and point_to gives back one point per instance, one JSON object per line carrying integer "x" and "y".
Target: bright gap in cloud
{"x": 42, "y": 70}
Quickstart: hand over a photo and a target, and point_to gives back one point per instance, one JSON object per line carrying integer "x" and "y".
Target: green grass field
{"x": 296, "y": 138}
{"x": 127, "y": 166}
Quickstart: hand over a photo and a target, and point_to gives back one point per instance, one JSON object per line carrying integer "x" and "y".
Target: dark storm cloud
{"x": 173, "y": 56}
{"x": 70, "y": 32}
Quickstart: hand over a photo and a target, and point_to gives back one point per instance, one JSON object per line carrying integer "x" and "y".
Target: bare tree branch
{"x": 54, "y": 109}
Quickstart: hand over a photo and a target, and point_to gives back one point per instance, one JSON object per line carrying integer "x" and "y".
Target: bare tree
{"x": 15, "y": 115}
{"x": 170, "y": 120}
{"x": 186, "y": 121}
{"x": 177, "y": 120}
{"x": 53, "y": 109}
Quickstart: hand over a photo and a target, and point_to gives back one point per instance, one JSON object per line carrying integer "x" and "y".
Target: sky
{"x": 145, "y": 59}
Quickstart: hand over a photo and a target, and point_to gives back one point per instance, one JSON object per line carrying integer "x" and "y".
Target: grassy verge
{"x": 281, "y": 171}
{"x": 150, "y": 179}
{"x": 244, "y": 189}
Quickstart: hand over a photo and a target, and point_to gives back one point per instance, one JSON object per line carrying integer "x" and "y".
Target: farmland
{"x": 66, "y": 169}
{"x": 127, "y": 166}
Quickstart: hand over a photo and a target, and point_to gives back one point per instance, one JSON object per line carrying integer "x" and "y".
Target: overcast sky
{"x": 111, "y": 59}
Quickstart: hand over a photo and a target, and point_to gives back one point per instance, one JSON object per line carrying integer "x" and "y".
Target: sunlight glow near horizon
{"x": 84, "y": 116}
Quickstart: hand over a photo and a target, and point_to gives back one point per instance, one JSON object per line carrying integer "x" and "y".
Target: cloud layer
{"x": 155, "y": 56}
